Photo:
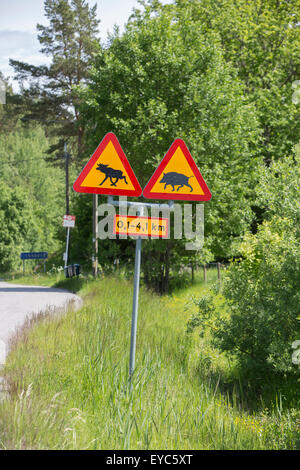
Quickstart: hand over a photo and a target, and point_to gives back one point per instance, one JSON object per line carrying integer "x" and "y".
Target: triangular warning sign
{"x": 177, "y": 177}
{"x": 108, "y": 171}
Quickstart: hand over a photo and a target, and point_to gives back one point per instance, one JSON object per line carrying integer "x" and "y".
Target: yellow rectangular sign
{"x": 136, "y": 226}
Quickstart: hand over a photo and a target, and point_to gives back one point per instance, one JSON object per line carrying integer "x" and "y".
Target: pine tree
{"x": 70, "y": 40}
{"x": 9, "y": 113}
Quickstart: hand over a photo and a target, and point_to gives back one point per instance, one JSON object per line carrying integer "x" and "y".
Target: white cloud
{"x": 17, "y": 41}
{"x": 19, "y": 45}
{"x": 18, "y": 20}
{"x": 21, "y": 15}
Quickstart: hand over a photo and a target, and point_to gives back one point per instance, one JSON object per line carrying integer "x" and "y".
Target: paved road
{"x": 18, "y": 302}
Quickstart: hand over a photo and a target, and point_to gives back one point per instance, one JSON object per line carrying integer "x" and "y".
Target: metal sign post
{"x": 174, "y": 172}
{"x": 95, "y": 235}
{"x": 67, "y": 247}
{"x": 68, "y": 222}
{"x": 137, "y": 271}
{"x": 135, "y": 304}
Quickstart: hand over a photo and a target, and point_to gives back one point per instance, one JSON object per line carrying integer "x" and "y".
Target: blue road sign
{"x": 34, "y": 255}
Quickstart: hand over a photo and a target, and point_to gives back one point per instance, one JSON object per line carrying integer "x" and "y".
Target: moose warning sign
{"x": 108, "y": 171}
{"x": 177, "y": 177}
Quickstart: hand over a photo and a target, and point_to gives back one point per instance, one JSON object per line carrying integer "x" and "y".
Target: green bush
{"x": 31, "y": 197}
{"x": 259, "y": 321}
{"x": 262, "y": 290}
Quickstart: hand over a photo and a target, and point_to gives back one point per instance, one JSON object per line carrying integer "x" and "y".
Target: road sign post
{"x": 135, "y": 305}
{"x": 109, "y": 172}
{"x": 137, "y": 271}
{"x": 67, "y": 247}
{"x": 95, "y": 235}
{"x": 68, "y": 222}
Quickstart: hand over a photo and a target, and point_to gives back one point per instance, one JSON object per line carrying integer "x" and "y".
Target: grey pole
{"x": 137, "y": 269}
{"x": 67, "y": 247}
{"x": 95, "y": 235}
{"x": 67, "y": 199}
{"x": 137, "y": 266}
{"x": 67, "y": 178}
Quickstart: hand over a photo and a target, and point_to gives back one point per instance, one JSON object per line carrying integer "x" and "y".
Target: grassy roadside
{"x": 38, "y": 279}
{"x": 69, "y": 380}
{"x": 50, "y": 279}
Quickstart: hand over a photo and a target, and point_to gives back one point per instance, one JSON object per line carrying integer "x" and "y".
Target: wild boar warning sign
{"x": 177, "y": 177}
{"x": 108, "y": 171}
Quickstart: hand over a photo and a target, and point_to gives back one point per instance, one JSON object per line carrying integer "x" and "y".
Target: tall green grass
{"x": 68, "y": 379}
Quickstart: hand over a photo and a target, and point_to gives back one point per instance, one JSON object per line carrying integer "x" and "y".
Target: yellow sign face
{"x": 177, "y": 177}
{"x": 108, "y": 171}
{"x": 157, "y": 227}
{"x": 102, "y": 171}
{"x": 172, "y": 180}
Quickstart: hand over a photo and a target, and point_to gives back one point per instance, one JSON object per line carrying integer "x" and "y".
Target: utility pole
{"x": 95, "y": 235}
{"x": 66, "y": 255}
{"x": 67, "y": 179}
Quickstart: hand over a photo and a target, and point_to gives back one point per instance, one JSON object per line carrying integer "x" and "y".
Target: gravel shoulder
{"x": 17, "y": 302}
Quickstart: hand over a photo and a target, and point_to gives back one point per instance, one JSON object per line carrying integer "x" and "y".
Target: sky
{"x": 18, "y": 35}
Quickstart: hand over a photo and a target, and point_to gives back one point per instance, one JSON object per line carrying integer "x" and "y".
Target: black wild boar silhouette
{"x": 111, "y": 173}
{"x": 176, "y": 179}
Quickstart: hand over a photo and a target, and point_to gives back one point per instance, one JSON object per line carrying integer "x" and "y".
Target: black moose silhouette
{"x": 176, "y": 179}
{"x": 111, "y": 173}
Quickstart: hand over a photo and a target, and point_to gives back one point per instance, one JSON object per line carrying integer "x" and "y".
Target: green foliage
{"x": 261, "y": 39}
{"x": 70, "y": 40}
{"x": 205, "y": 316}
{"x": 77, "y": 381}
{"x": 9, "y": 113}
{"x": 279, "y": 188}
{"x": 219, "y": 74}
{"x": 81, "y": 237}
{"x": 31, "y": 196}
{"x": 262, "y": 290}
{"x": 282, "y": 432}
{"x": 80, "y": 398}
{"x": 15, "y": 223}
{"x": 164, "y": 78}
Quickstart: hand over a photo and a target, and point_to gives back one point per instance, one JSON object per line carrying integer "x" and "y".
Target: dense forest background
{"x": 219, "y": 74}
{"x": 224, "y": 76}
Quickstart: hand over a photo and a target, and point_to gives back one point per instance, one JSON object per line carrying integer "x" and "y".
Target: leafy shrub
{"x": 205, "y": 317}
{"x": 281, "y": 431}
{"x": 262, "y": 291}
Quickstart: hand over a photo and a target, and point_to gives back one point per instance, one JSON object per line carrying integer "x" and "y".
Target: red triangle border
{"x": 109, "y": 191}
{"x": 158, "y": 172}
